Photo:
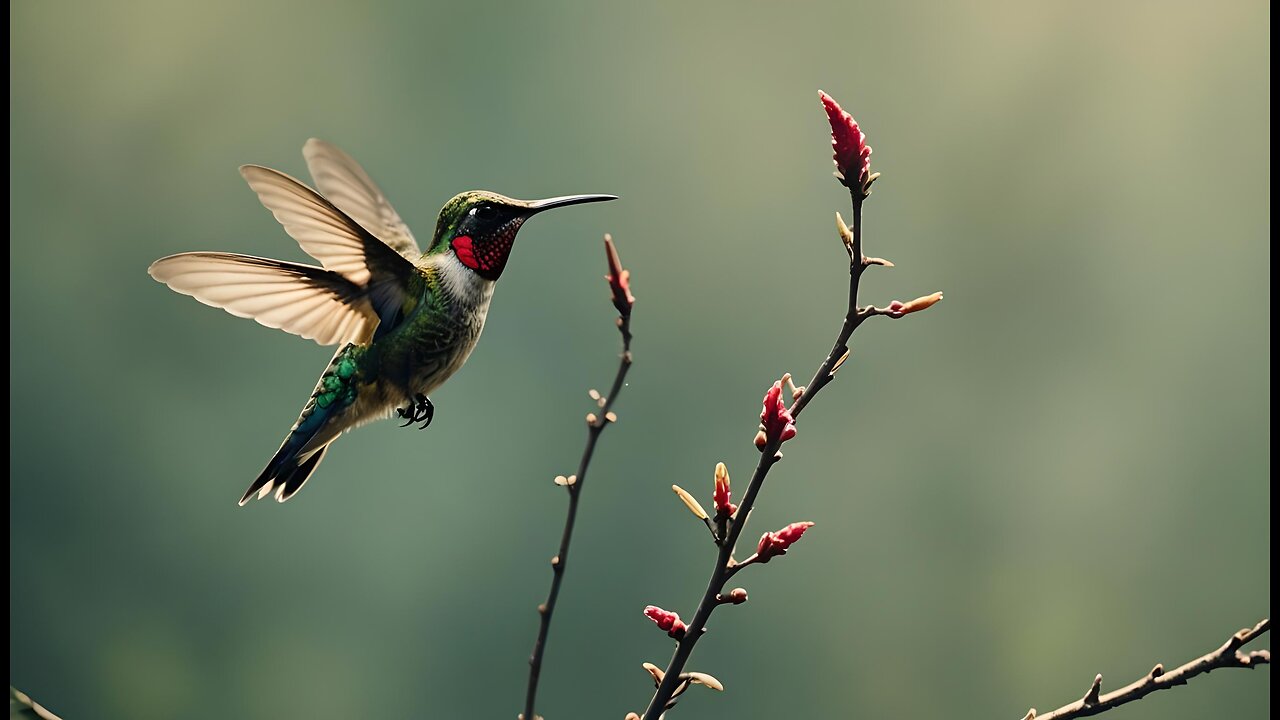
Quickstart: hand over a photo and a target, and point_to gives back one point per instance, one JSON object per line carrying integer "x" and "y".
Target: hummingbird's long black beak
{"x": 537, "y": 206}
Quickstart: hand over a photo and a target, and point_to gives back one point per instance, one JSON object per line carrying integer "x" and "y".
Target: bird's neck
{"x": 464, "y": 287}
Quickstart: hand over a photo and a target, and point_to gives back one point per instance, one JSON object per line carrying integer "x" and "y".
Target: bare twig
{"x": 22, "y": 707}
{"x": 619, "y": 284}
{"x": 670, "y": 684}
{"x": 1228, "y": 656}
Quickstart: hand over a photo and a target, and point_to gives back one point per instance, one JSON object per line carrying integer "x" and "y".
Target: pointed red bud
{"x": 721, "y": 497}
{"x": 619, "y": 280}
{"x": 852, "y": 156}
{"x": 776, "y": 422}
{"x": 773, "y": 544}
{"x": 666, "y": 620}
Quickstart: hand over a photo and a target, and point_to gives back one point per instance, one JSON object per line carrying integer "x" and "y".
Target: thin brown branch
{"x": 596, "y": 423}
{"x": 1228, "y": 656}
{"x": 669, "y": 686}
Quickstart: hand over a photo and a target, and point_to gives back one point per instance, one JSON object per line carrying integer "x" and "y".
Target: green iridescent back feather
{"x": 337, "y": 389}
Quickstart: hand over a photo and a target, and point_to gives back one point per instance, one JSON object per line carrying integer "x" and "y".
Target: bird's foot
{"x": 420, "y": 409}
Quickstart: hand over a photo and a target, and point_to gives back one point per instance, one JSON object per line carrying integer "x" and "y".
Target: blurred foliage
{"x": 1063, "y": 469}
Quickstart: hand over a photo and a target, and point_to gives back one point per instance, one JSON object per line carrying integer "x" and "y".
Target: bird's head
{"x": 480, "y": 227}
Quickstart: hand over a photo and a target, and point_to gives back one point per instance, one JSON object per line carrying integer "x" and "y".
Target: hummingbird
{"x": 404, "y": 320}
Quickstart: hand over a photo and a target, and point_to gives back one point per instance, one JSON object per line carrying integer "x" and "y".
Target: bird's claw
{"x": 420, "y": 409}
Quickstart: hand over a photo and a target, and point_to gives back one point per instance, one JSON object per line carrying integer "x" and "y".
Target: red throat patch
{"x": 462, "y": 248}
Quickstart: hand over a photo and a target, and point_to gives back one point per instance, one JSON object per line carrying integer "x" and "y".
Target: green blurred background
{"x": 1061, "y": 470}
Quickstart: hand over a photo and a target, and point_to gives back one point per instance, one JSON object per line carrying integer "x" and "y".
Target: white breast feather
{"x": 463, "y": 283}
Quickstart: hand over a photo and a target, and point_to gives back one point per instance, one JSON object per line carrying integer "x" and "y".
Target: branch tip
{"x": 1254, "y": 659}
{"x": 619, "y": 280}
{"x": 1091, "y": 697}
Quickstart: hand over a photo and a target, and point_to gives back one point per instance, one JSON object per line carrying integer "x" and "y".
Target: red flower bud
{"x": 666, "y": 620}
{"x": 773, "y": 544}
{"x": 775, "y": 419}
{"x": 619, "y": 280}
{"x": 724, "y": 508}
{"x": 852, "y": 156}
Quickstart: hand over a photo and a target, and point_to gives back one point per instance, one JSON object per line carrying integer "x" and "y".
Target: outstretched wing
{"x": 341, "y": 179}
{"x": 312, "y": 302}
{"x": 332, "y": 237}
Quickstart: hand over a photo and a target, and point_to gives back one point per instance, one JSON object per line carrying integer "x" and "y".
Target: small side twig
{"x": 1228, "y": 656}
{"x": 620, "y": 288}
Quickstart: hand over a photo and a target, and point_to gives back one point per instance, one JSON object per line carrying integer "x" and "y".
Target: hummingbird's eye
{"x": 483, "y": 212}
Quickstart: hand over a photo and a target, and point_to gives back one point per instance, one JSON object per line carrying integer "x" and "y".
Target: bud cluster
{"x": 776, "y": 424}
{"x": 851, "y": 153}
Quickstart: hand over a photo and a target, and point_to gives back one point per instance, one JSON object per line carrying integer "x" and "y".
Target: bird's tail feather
{"x": 285, "y": 474}
{"x": 292, "y": 464}
{"x": 312, "y": 434}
